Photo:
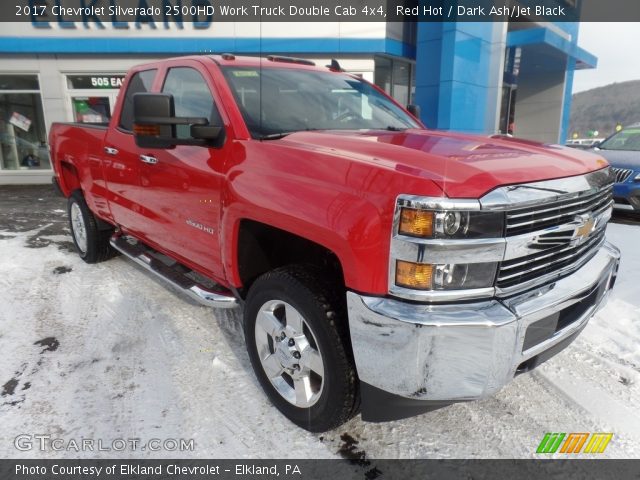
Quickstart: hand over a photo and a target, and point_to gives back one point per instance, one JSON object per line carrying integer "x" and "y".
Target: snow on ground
{"x": 108, "y": 352}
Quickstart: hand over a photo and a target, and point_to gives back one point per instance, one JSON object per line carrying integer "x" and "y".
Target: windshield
{"x": 280, "y": 100}
{"x": 628, "y": 139}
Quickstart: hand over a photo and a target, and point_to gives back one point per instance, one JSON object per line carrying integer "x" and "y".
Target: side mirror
{"x": 150, "y": 113}
{"x": 596, "y": 145}
{"x": 414, "y": 110}
{"x": 154, "y": 124}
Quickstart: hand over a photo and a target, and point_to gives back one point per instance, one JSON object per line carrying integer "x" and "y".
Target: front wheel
{"x": 298, "y": 343}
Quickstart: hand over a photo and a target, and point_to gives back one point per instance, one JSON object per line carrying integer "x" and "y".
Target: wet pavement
{"x": 25, "y": 208}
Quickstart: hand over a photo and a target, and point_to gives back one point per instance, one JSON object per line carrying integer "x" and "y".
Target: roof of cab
{"x": 266, "y": 61}
{"x": 225, "y": 59}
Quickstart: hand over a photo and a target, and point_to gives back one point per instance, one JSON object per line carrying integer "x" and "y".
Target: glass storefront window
{"x": 512, "y": 60}
{"x": 91, "y": 109}
{"x": 396, "y": 78}
{"x": 382, "y": 73}
{"x": 19, "y": 82}
{"x": 401, "y": 81}
{"x": 92, "y": 96}
{"x": 23, "y": 136}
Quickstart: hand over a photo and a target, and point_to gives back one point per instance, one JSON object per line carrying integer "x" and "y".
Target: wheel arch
{"x": 69, "y": 178}
{"x": 262, "y": 248}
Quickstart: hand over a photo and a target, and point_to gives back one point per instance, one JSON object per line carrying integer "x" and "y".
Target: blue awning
{"x": 546, "y": 37}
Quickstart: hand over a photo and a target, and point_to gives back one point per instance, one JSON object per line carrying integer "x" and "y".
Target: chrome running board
{"x": 217, "y": 297}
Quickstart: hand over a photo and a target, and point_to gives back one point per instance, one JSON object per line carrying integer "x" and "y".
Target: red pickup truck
{"x": 382, "y": 267}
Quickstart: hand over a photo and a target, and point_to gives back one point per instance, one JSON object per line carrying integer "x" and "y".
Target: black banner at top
{"x": 73, "y": 14}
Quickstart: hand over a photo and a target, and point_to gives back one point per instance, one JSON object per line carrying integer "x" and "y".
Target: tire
{"x": 319, "y": 389}
{"x": 92, "y": 243}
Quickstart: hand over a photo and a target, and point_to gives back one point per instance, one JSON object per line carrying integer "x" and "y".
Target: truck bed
{"x": 79, "y": 147}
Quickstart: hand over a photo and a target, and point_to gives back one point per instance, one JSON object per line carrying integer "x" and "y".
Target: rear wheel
{"x": 92, "y": 243}
{"x": 298, "y": 343}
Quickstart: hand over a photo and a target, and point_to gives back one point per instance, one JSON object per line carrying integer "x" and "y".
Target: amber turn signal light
{"x": 146, "y": 130}
{"x": 416, "y": 223}
{"x": 414, "y": 275}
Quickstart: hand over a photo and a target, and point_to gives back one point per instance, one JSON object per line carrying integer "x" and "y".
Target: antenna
{"x": 335, "y": 66}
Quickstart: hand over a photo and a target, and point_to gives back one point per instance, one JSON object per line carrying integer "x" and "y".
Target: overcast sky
{"x": 616, "y": 46}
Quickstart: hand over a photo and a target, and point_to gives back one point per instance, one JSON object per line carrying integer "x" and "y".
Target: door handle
{"x": 111, "y": 150}
{"x": 148, "y": 159}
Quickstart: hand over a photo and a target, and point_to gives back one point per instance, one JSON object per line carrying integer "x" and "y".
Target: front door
{"x": 182, "y": 185}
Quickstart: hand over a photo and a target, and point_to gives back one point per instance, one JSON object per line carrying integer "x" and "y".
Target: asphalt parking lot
{"x": 107, "y": 352}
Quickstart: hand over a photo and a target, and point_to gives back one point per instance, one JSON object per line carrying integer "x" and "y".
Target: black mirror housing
{"x": 146, "y": 108}
{"x": 154, "y": 124}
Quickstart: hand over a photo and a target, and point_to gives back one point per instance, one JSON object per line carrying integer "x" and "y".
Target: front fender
{"x": 342, "y": 204}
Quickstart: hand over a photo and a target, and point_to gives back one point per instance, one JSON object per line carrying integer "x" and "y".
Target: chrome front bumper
{"x": 445, "y": 353}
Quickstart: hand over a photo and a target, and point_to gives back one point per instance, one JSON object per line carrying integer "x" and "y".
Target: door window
{"x": 141, "y": 82}
{"x": 192, "y": 97}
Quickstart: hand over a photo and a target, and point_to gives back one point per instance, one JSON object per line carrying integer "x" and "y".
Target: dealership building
{"x": 484, "y": 78}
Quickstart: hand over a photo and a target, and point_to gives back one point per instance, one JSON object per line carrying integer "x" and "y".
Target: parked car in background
{"x": 622, "y": 151}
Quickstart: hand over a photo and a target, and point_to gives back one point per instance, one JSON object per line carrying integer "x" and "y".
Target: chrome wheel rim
{"x": 289, "y": 353}
{"x": 78, "y": 227}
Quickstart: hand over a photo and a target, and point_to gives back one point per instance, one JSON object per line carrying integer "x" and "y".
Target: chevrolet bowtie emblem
{"x": 583, "y": 231}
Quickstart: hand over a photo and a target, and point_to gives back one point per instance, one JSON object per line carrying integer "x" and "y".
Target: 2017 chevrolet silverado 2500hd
{"x": 383, "y": 267}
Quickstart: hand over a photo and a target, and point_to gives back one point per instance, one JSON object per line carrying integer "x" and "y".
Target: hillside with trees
{"x": 603, "y": 107}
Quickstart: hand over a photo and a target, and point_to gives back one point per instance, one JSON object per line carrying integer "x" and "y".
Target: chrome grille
{"x": 524, "y": 269}
{"x": 539, "y": 217}
{"x": 621, "y": 174}
{"x": 552, "y": 228}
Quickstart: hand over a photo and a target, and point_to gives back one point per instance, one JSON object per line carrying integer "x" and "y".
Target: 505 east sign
{"x": 89, "y": 82}
{"x": 118, "y": 14}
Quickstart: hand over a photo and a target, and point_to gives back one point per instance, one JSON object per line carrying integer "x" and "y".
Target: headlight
{"x": 452, "y": 276}
{"x": 450, "y": 224}
{"x": 637, "y": 178}
{"x": 444, "y": 249}
{"x": 461, "y": 276}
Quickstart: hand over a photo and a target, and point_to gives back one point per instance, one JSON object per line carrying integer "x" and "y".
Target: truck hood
{"x": 463, "y": 166}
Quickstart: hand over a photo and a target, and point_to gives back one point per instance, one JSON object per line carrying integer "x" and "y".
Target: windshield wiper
{"x": 274, "y": 136}
{"x": 391, "y": 128}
